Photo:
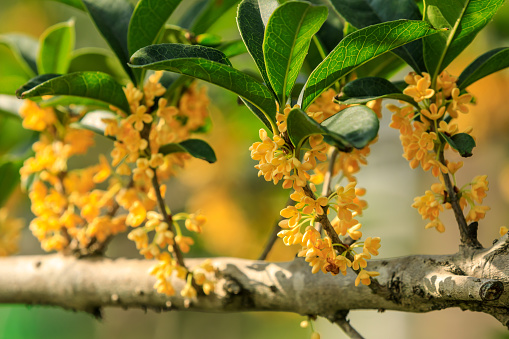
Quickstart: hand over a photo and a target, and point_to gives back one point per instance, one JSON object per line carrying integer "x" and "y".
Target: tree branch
{"x": 472, "y": 281}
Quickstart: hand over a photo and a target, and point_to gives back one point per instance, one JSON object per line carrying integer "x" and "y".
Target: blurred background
{"x": 238, "y": 203}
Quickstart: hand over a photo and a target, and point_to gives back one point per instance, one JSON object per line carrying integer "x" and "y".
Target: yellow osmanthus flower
{"x": 418, "y": 87}
{"x": 503, "y": 230}
{"x": 36, "y": 118}
{"x": 364, "y": 277}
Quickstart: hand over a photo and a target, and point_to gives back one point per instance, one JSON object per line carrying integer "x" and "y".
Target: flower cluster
{"x": 278, "y": 161}
{"x": 71, "y": 212}
{"x": 10, "y": 229}
{"x": 74, "y": 215}
{"x": 426, "y": 130}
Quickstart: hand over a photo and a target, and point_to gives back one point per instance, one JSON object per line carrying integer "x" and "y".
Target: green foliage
{"x": 9, "y": 178}
{"x": 210, "y": 65}
{"x": 55, "y": 47}
{"x": 210, "y": 13}
{"x": 461, "y": 142}
{"x": 195, "y": 147}
{"x": 460, "y": 20}
{"x": 358, "y": 48}
{"x": 91, "y": 85}
{"x": 486, "y": 64}
{"x": 286, "y": 42}
{"x": 362, "y": 90}
{"x": 98, "y": 60}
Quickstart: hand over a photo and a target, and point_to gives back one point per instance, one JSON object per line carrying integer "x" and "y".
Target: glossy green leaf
{"x": 488, "y": 63}
{"x": 208, "y": 64}
{"x": 67, "y": 100}
{"x": 463, "y": 19}
{"x": 24, "y": 49}
{"x": 92, "y": 85}
{"x": 195, "y": 147}
{"x": 55, "y": 47}
{"x": 233, "y": 48}
{"x": 364, "y": 13}
{"x": 9, "y": 179}
{"x": 356, "y": 125}
{"x": 73, "y": 3}
{"x": 98, "y": 60}
{"x": 286, "y": 43}
{"x": 252, "y": 29}
{"x": 300, "y": 127}
{"x": 358, "y": 48}
{"x": 362, "y": 90}
{"x": 210, "y": 14}
{"x": 112, "y": 17}
{"x": 147, "y": 22}
{"x": 461, "y": 142}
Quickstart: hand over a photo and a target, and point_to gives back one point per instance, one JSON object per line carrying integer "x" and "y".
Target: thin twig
{"x": 326, "y": 188}
{"x": 347, "y": 328}
{"x": 467, "y": 237}
{"x": 275, "y": 230}
{"x": 167, "y": 218}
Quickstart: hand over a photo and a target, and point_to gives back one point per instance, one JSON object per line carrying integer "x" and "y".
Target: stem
{"x": 346, "y": 327}
{"x": 167, "y": 218}
{"x": 275, "y": 230}
{"x": 466, "y": 237}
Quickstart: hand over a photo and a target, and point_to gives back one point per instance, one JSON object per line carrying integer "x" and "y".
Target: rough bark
{"x": 473, "y": 279}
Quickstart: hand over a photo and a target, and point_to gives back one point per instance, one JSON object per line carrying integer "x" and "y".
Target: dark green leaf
{"x": 55, "y": 48}
{"x": 358, "y": 48}
{"x": 175, "y": 35}
{"x": 252, "y": 30}
{"x": 461, "y": 142}
{"x": 98, "y": 60}
{"x": 286, "y": 43}
{"x": 74, "y": 3}
{"x": 233, "y": 48}
{"x": 488, "y": 63}
{"x": 300, "y": 127}
{"x": 356, "y": 125}
{"x": 463, "y": 19}
{"x": 364, "y": 13}
{"x": 111, "y": 18}
{"x": 195, "y": 147}
{"x": 363, "y": 90}
{"x": 147, "y": 22}
{"x": 211, "y": 14}
{"x": 92, "y": 85}
{"x": 210, "y": 65}
{"x": 24, "y": 48}
{"x": 9, "y": 179}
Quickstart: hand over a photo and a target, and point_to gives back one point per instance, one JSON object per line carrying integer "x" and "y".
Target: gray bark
{"x": 472, "y": 279}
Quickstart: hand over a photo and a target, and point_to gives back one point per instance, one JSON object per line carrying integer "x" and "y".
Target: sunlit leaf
{"x": 211, "y": 12}
{"x": 195, "y": 147}
{"x": 55, "y": 47}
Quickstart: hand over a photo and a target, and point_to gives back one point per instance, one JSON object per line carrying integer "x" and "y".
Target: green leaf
{"x": 24, "y": 49}
{"x": 383, "y": 66}
{"x": 463, "y": 19}
{"x": 74, "y": 3}
{"x": 488, "y": 63}
{"x": 358, "y": 48}
{"x": 286, "y": 43}
{"x": 363, "y": 90}
{"x": 98, "y": 60}
{"x": 252, "y": 30}
{"x": 13, "y": 137}
{"x": 9, "y": 179}
{"x": 55, "y": 48}
{"x": 67, "y": 100}
{"x": 356, "y": 125}
{"x": 208, "y": 39}
{"x": 364, "y": 13}
{"x": 147, "y": 22}
{"x": 300, "y": 127}
{"x": 233, "y": 48}
{"x": 111, "y": 17}
{"x": 210, "y": 65}
{"x": 210, "y": 14}
{"x": 462, "y": 142}
{"x": 92, "y": 85}
{"x": 195, "y": 147}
